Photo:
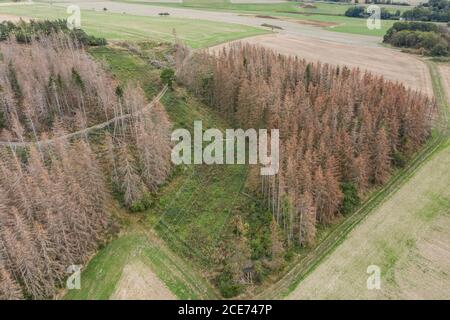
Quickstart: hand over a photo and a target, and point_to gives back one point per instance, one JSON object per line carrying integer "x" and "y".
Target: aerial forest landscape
{"x": 232, "y": 150}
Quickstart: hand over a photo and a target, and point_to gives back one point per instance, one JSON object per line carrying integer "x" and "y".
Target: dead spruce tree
{"x": 54, "y": 189}
{"x": 342, "y": 131}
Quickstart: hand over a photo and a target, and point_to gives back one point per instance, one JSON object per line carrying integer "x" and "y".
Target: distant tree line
{"x": 422, "y": 37}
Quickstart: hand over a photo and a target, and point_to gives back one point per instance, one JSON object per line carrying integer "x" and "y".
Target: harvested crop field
{"x": 139, "y": 282}
{"x": 392, "y": 64}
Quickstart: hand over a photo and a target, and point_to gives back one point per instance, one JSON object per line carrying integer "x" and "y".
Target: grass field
{"x": 189, "y": 213}
{"x": 114, "y": 26}
{"x": 324, "y": 13}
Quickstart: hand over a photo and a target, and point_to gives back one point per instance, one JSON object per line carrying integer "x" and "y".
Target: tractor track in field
{"x": 305, "y": 265}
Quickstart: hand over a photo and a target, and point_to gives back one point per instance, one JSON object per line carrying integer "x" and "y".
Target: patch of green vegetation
{"x": 193, "y": 220}
{"x": 24, "y": 32}
{"x": 115, "y": 26}
{"x": 351, "y": 198}
{"x": 2, "y": 119}
{"x": 168, "y": 76}
{"x": 184, "y": 110}
{"x": 421, "y": 37}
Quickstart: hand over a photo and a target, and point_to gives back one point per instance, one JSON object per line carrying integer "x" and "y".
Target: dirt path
{"x": 139, "y": 282}
{"x": 391, "y": 64}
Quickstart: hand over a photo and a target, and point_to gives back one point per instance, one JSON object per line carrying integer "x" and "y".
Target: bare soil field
{"x": 407, "y": 237}
{"x": 391, "y": 64}
{"x": 139, "y": 282}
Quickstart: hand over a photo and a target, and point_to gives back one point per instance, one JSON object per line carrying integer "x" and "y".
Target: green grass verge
{"x": 114, "y": 26}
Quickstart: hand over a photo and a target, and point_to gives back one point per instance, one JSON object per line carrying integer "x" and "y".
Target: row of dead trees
{"x": 342, "y": 131}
